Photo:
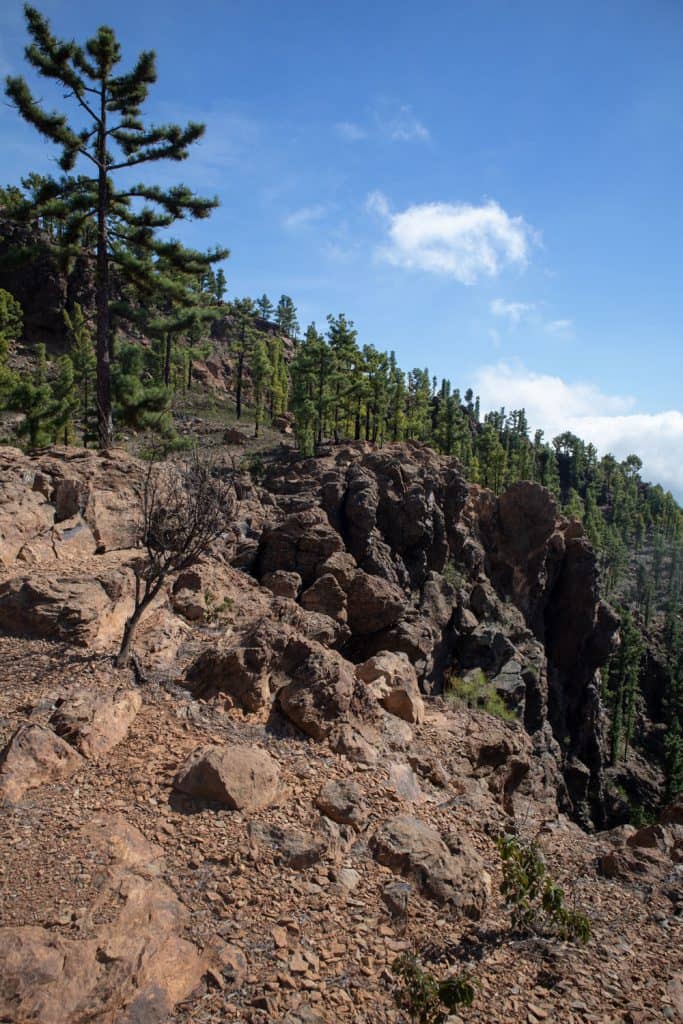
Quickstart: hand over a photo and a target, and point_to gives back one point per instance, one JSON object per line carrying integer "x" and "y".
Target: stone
{"x": 94, "y": 723}
{"x": 320, "y": 692}
{"x": 348, "y": 878}
{"x": 327, "y": 597}
{"x": 294, "y": 848}
{"x": 342, "y": 801}
{"x": 301, "y": 543}
{"x": 373, "y": 604}
{"x": 239, "y": 777}
{"x": 403, "y": 782}
{"x": 355, "y": 741}
{"x": 78, "y": 609}
{"x": 393, "y": 681}
{"x": 415, "y": 850}
{"x": 283, "y": 584}
{"x": 190, "y": 604}
{"x": 395, "y": 896}
{"x": 32, "y": 757}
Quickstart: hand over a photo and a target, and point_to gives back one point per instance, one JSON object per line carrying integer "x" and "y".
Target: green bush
{"x": 536, "y": 901}
{"x": 426, "y": 999}
{"x": 478, "y": 693}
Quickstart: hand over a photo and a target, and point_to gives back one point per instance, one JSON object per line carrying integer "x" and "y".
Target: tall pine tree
{"x": 107, "y": 136}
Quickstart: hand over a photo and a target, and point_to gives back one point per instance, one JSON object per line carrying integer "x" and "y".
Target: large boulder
{"x": 373, "y": 603}
{"x": 244, "y": 667}
{"x": 239, "y": 777}
{"x": 32, "y": 757}
{"x": 95, "y": 723}
{"x": 327, "y": 597}
{"x": 321, "y": 689}
{"x": 417, "y": 851}
{"x": 393, "y": 682}
{"x": 79, "y": 609}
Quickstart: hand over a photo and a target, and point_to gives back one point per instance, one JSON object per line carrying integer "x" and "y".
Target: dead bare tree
{"x": 186, "y": 506}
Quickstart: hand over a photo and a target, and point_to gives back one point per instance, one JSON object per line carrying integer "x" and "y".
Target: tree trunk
{"x": 167, "y": 361}
{"x": 105, "y": 424}
{"x": 238, "y": 386}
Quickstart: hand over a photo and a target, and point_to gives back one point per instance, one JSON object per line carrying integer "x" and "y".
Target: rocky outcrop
{"x": 416, "y": 851}
{"x": 455, "y": 579}
{"x": 80, "y": 610}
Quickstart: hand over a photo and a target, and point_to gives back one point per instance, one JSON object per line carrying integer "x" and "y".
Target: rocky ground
{"x": 227, "y": 836}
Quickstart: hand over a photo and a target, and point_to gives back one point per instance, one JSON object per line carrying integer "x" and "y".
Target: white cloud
{"x": 387, "y": 122}
{"x": 349, "y": 131}
{"x": 306, "y": 215}
{"x": 404, "y": 127}
{"x": 514, "y": 311}
{"x": 610, "y": 422}
{"x": 559, "y": 326}
{"x": 457, "y": 240}
{"x": 378, "y": 203}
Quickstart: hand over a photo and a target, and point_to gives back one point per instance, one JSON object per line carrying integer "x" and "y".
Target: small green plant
{"x": 254, "y": 466}
{"x": 216, "y": 613}
{"x": 478, "y": 693}
{"x": 536, "y": 901}
{"x": 426, "y": 999}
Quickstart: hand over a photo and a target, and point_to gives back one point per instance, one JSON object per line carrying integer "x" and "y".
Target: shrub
{"x": 536, "y": 901}
{"x": 478, "y": 693}
{"x": 426, "y": 999}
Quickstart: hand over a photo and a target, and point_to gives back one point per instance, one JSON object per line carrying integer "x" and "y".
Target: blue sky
{"x": 491, "y": 189}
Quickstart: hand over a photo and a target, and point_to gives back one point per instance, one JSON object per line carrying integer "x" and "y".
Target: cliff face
{"x": 501, "y": 584}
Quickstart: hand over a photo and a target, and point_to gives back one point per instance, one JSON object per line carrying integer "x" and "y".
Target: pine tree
{"x": 11, "y": 326}
{"x": 286, "y": 317}
{"x": 109, "y": 139}
{"x": 33, "y": 397}
{"x": 243, "y": 314}
{"x": 265, "y": 307}
{"x": 261, "y": 371}
{"x": 65, "y": 402}
{"x": 142, "y": 403}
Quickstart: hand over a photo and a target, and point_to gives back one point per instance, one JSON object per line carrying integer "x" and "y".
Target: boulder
{"x": 342, "y": 566}
{"x": 373, "y": 604}
{"x": 94, "y": 723}
{"x": 294, "y": 848}
{"x": 357, "y": 741}
{"x": 341, "y": 800}
{"x": 301, "y": 543}
{"x": 321, "y": 689}
{"x": 32, "y": 757}
{"x": 79, "y": 609}
{"x": 242, "y": 778}
{"x": 191, "y": 604}
{"x": 327, "y": 597}
{"x": 417, "y": 851}
{"x": 394, "y": 684}
{"x": 283, "y": 584}
{"x": 243, "y": 666}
